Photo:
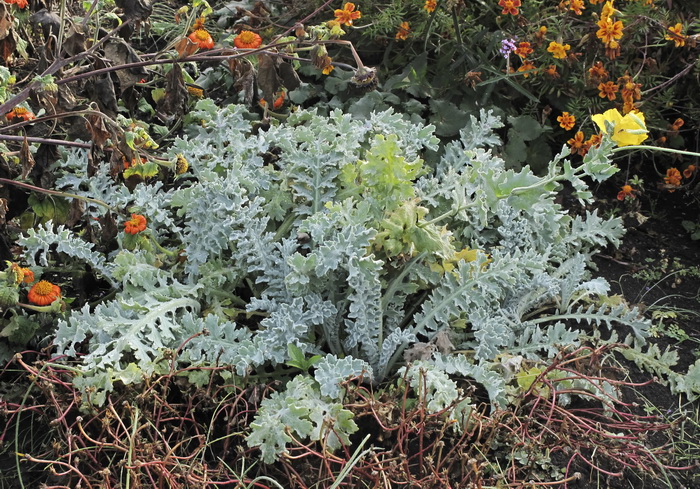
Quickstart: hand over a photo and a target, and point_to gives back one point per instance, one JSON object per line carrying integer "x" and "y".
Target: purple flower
{"x": 507, "y": 47}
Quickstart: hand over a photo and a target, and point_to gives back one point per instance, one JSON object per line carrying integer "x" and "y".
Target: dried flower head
{"x": 181, "y": 164}
{"x": 43, "y": 293}
{"x": 365, "y": 78}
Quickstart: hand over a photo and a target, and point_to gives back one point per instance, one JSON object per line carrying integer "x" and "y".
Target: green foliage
{"x": 369, "y": 253}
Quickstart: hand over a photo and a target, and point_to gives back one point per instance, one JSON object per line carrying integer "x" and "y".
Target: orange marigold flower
{"x": 347, "y": 14}
{"x": 577, "y": 6}
{"x": 202, "y": 38}
{"x": 674, "y": 34}
{"x": 558, "y": 50}
{"x": 673, "y": 177}
{"x": 43, "y": 293}
{"x": 430, "y": 6}
{"x": 527, "y": 69}
{"x": 609, "y": 31}
{"x": 136, "y": 224}
{"x": 19, "y": 3}
{"x": 626, "y": 191}
{"x": 577, "y": 144}
{"x": 608, "y": 89}
{"x": 523, "y": 49}
{"x": 327, "y": 70}
{"x": 598, "y": 73}
{"x": 404, "y": 30}
{"x": 593, "y": 141}
{"x": 608, "y": 10}
{"x": 20, "y": 113}
{"x": 566, "y": 121}
{"x": 551, "y": 71}
{"x": 687, "y": 173}
{"x": 247, "y": 40}
{"x": 509, "y": 6}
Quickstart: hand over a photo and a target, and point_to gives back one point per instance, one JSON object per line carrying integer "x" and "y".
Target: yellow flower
{"x": 327, "y": 70}
{"x": 627, "y": 130}
{"x": 558, "y": 50}
{"x": 675, "y": 35}
{"x": 577, "y": 6}
{"x": 404, "y": 30}
{"x": 609, "y": 31}
{"x": 430, "y": 6}
{"x": 608, "y": 10}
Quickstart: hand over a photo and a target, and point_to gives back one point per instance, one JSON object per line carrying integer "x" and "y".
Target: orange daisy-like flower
{"x": 609, "y": 31}
{"x": 675, "y": 35}
{"x": 577, "y": 144}
{"x": 20, "y": 113}
{"x": 527, "y": 69}
{"x": 43, "y": 293}
{"x": 626, "y": 191}
{"x": 673, "y": 177}
{"x": 430, "y": 6}
{"x": 593, "y": 141}
{"x": 403, "y": 32}
{"x": 523, "y": 49}
{"x": 608, "y": 89}
{"x": 558, "y": 50}
{"x": 247, "y": 40}
{"x": 136, "y": 224}
{"x": 566, "y": 121}
{"x": 201, "y": 38}
{"x": 687, "y": 173}
{"x": 347, "y": 14}
{"x": 327, "y": 70}
{"x": 279, "y": 101}
{"x": 509, "y": 6}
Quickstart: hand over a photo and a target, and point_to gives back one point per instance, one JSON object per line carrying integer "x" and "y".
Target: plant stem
{"x": 656, "y": 148}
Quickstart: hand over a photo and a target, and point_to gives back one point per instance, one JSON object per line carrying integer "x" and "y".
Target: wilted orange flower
{"x": 566, "y": 120}
{"x": 523, "y": 49}
{"x": 674, "y": 34}
{"x": 673, "y": 178}
{"x": 430, "y": 6}
{"x": 626, "y": 191}
{"x": 609, "y": 31}
{"x": 551, "y": 71}
{"x": 404, "y": 30}
{"x": 20, "y": 113}
{"x": 279, "y": 101}
{"x": 527, "y": 69}
{"x": 509, "y": 6}
{"x": 28, "y": 275}
{"x": 592, "y": 141}
{"x": 136, "y": 224}
{"x": 347, "y": 14}
{"x": 558, "y": 50}
{"x": 630, "y": 90}
{"x": 577, "y": 6}
{"x": 202, "y": 38}
{"x": 597, "y": 72}
{"x": 687, "y": 173}
{"x": 577, "y": 144}
{"x": 677, "y": 124}
{"x": 541, "y": 33}
{"x": 247, "y": 40}
{"x": 327, "y": 70}
{"x": 608, "y": 89}
{"x": 43, "y": 293}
